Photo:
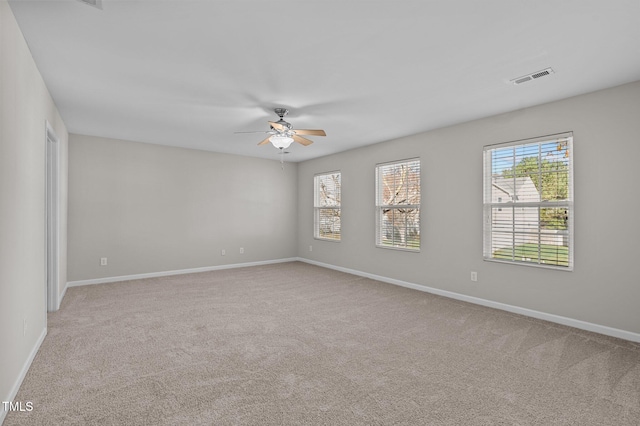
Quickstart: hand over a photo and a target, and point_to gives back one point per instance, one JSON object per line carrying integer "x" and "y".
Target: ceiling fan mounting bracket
{"x": 281, "y": 112}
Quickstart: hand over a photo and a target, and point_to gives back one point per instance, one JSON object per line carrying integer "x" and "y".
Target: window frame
{"x": 317, "y": 207}
{"x": 379, "y": 207}
{"x": 489, "y": 205}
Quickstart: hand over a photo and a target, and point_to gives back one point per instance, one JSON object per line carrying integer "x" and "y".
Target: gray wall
{"x": 603, "y": 289}
{"x": 25, "y": 104}
{"x": 150, "y": 208}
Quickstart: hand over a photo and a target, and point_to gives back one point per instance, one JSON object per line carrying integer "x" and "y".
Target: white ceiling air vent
{"x": 95, "y": 3}
{"x": 532, "y": 76}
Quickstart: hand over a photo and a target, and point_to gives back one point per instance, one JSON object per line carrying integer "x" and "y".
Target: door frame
{"x": 52, "y": 217}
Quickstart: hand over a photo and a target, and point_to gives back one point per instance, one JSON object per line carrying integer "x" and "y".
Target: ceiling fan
{"x": 282, "y": 134}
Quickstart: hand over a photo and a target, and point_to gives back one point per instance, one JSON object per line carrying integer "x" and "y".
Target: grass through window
{"x": 544, "y": 254}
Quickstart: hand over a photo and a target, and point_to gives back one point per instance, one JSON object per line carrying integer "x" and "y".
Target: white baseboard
{"x": 64, "y": 291}
{"x": 583, "y": 325}
{"x": 23, "y": 373}
{"x": 176, "y": 272}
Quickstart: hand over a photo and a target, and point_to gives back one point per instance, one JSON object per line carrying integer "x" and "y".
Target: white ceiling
{"x": 191, "y": 73}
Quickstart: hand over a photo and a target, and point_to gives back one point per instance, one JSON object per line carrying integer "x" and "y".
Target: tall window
{"x": 528, "y": 202}
{"x": 398, "y": 204}
{"x": 327, "y": 206}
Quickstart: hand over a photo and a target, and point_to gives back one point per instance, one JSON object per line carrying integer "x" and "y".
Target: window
{"x": 528, "y": 202}
{"x": 327, "y": 206}
{"x": 398, "y": 205}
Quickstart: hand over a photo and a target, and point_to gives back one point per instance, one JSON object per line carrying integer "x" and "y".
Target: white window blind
{"x": 528, "y": 202}
{"x": 327, "y": 206}
{"x": 398, "y": 205}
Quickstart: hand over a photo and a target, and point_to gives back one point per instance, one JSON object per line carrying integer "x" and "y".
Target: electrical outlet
{"x": 103, "y": 261}
{"x": 474, "y": 276}
{"x": 241, "y": 250}
{"x": 223, "y": 252}
{"x": 310, "y": 248}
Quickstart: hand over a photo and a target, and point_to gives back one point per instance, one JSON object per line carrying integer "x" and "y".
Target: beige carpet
{"x": 298, "y": 344}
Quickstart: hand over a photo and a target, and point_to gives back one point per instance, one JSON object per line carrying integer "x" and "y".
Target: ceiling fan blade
{"x": 277, "y": 126}
{"x": 264, "y": 141}
{"x": 301, "y": 140}
{"x": 310, "y": 132}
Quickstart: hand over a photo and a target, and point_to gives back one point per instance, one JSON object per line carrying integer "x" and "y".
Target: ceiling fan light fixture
{"x": 281, "y": 141}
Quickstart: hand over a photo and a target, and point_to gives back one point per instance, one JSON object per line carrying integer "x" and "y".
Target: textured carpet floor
{"x": 298, "y": 344}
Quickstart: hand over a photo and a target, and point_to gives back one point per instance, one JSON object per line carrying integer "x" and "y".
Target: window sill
{"x": 331, "y": 240}
{"x": 410, "y": 250}
{"x": 530, "y": 264}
